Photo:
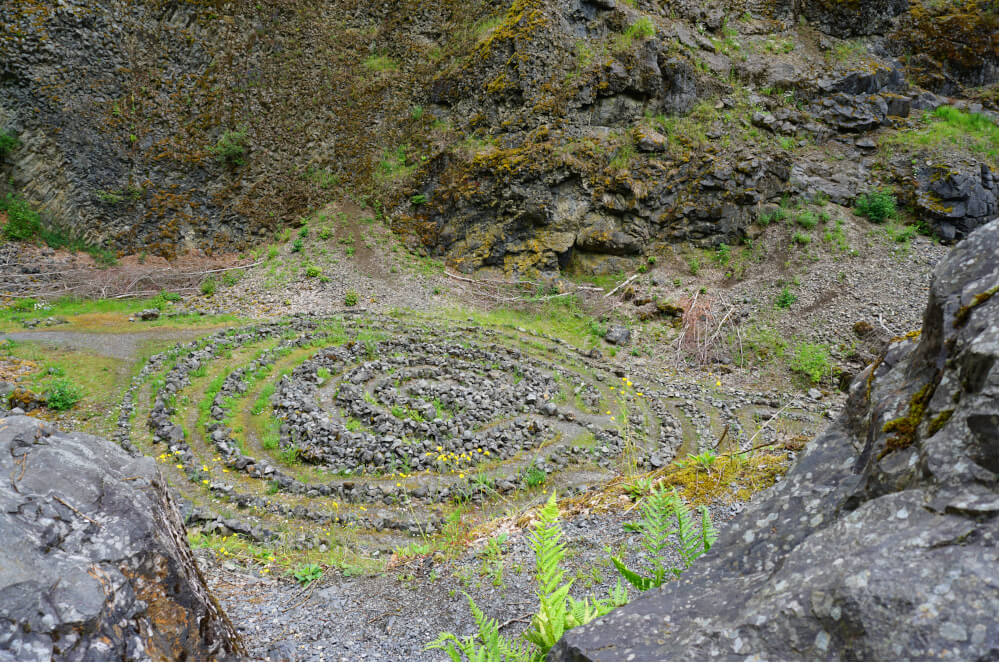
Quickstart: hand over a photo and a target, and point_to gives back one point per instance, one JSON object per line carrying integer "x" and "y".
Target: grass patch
{"x": 561, "y": 316}
{"x": 380, "y": 63}
{"x": 105, "y": 315}
{"x": 947, "y": 128}
{"x": 89, "y": 383}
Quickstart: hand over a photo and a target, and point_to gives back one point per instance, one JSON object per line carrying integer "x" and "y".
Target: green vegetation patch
{"x": 946, "y": 128}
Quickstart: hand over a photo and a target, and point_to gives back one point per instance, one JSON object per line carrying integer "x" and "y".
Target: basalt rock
{"x": 881, "y": 542}
{"x": 955, "y": 201}
{"x": 95, "y": 559}
{"x": 845, "y": 19}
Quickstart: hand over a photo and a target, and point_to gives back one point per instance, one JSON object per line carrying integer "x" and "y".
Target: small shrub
{"x": 231, "y": 147}
{"x": 207, "y": 287}
{"x": 723, "y": 255}
{"x": 8, "y": 142}
{"x": 170, "y": 296}
{"x": 534, "y": 477}
{"x": 297, "y": 245}
{"x": 877, "y": 206}
{"x": 785, "y": 299}
{"x": 694, "y": 266}
{"x": 304, "y": 233}
{"x": 313, "y": 271}
{"x": 230, "y": 278}
{"x": 24, "y": 305}
{"x": 801, "y": 238}
{"x": 703, "y": 461}
{"x": 62, "y": 394}
{"x": 325, "y": 233}
{"x": 23, "y": 222}
{"x": 812, "y": 361}
{"x": 351, "y": 298}
{"x": 419, "y": 199}
{"x": 807, "y": 219}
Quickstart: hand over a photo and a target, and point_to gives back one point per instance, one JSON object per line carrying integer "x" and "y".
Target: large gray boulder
{"x": 94, "y": 564}
{"x": 881, "y": 542}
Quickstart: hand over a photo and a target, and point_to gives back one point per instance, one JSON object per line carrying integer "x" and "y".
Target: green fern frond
{"x": 688, "y": 536}
{"x": 631, "y": 576}
{"x": 487, "y": 645}
{"x": 618, "y": 596}
{"x": 708, "y": 531}
{"x": 656, "y": 525}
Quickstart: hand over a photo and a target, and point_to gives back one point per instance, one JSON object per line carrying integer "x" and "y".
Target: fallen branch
{"x": 96, "y": 523}
{"x": 759, "y": 431}
{"x": 634, "y": 276}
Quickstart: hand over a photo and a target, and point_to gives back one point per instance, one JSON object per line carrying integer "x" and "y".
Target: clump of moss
{"x": 905, "y": 427}
{"x": 962, "y": 315}
{"x": 939, "y": 421}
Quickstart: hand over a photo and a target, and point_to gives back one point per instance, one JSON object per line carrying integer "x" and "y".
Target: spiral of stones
{"x": 394, "y": 419}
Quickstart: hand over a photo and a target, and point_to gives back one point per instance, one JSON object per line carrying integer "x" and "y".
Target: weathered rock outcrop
{"x": 95, "y": 561}
{"x": 526, "y": 135}
{"x": 881, "y": 542}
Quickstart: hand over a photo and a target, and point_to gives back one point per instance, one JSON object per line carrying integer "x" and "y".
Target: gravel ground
{"x": 124, "y": 346}
{"x": 393, "y": 615}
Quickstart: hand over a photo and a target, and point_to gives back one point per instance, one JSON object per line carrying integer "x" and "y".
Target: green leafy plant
{"x": 297, "y": 245}
{"x": 723, "y": 255}
{"x": 785, "y": 299}
{"x": 557, "y": 610}
{"x": 313, "y": 271}
{"x": 665, "y": 514}
{"x": 308, "y": 573}
{"x": 62, "y": 394}
{"x": 877, "y": 206}
{"x": 807, "y": 219}
{"x": 207, "y": 287}
{"x": 419, "y": 199}
{"x": 23, "y": 222}
{"x": 8, "y": 143}
{"x": 534, "y": 476}
{"x": 812, "y": 361}
{"x": 351, "y": 299}
{"x": 703, "y": 460}
{"x": 170, "y": 297}
{"x": 231, "y": 147}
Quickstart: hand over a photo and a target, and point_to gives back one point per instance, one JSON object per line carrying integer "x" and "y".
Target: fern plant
{"x": 661, "y": 512}
{"x": 487, "y": 645}
{"x": 557, "y": 611}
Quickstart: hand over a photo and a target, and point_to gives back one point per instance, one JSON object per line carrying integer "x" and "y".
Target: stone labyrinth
{"x": 289, "y": 429}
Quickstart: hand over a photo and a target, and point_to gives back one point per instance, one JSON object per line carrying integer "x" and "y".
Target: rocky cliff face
{"x": 95, "y": 559}
{"x": 881, "y": 542}
{"x": 534, "y": 134}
